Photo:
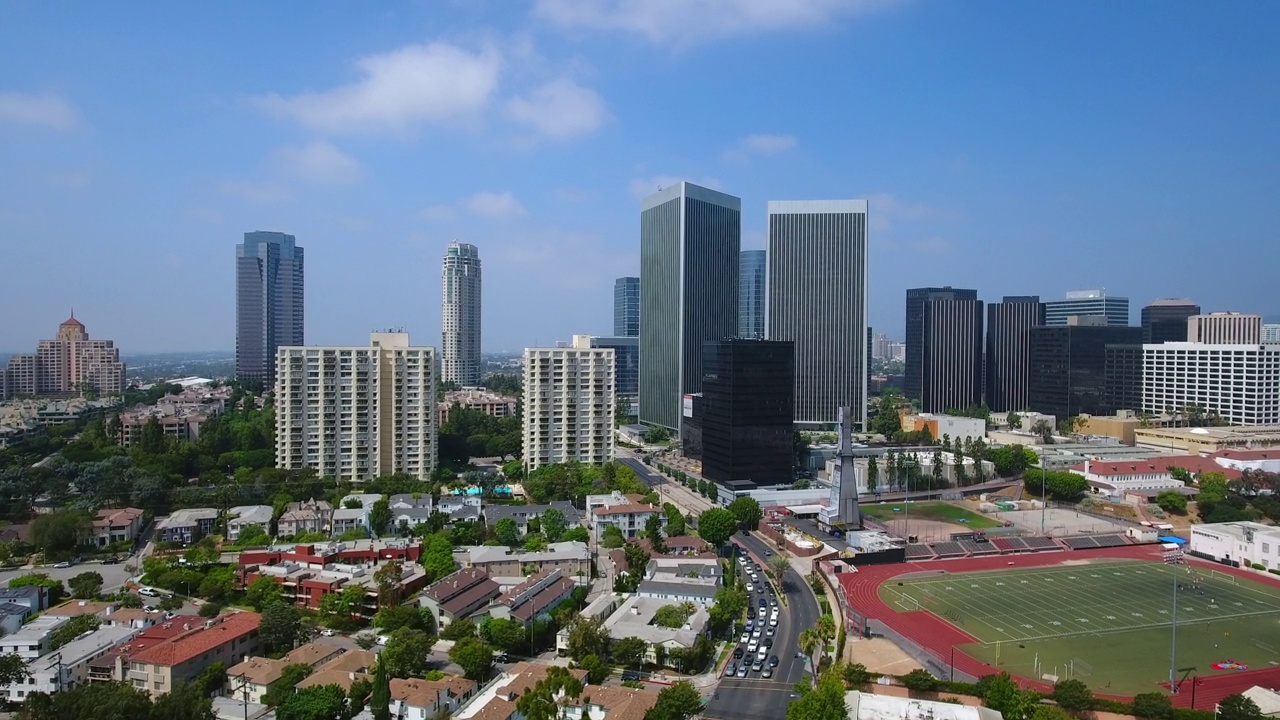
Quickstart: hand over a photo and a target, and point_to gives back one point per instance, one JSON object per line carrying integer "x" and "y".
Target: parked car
{"x": 111, "y": 560}
{"x": 327, "y": 632}
{"x": 63, "y": 564}
{"x": 630, "y": 676}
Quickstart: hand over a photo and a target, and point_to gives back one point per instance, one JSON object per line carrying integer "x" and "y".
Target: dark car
{"x": 767, "y": 642}
{"x": 763, "y": 602}
{"x": 738, "y": 652}
{"x": 630, "y": 676}
{"x": 111, "y": 560}
{"x": 773, "y": 661}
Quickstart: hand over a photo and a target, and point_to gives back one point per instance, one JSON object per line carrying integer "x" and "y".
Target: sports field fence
{"x": 933, "y": 661}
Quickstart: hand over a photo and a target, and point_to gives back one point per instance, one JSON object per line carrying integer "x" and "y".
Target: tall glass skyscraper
{"x": 1008, "y": 359}
{"x": 626, "y": 307}
{"x": 817, "y": 299}
{"x": 1087, "y": 303}
{"x": 460, "y": 315}
{"x": 690, "y": 237}
{"x": 269, "y": 302}
{"x": 751, "y": 268}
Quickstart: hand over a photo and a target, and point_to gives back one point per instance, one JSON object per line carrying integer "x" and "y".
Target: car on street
{"x": 767, "y": 642}
{"x": 630, "y": 676}
{"x": 773, "y": 601}
{"x": 767, "y": 552}
{"x": 767, "y": 672}
{"x": 763, "y": 602}
{"x": 773, "y": 621}
{"x": 757, "y": 666}
{"x": 753, "y": 646}
{"x": 327, "y": 632}
{"x": 63, "y": 564}
{"x": 745, "y": 636}
{"x": 749, "y": 587}
{"x": 111, "y": 560}
{"x": 773, "y": 661}
{"x": 737, "y": 652}
{"x": 742, "y": 670}
{"x": 770, "y": 631}
{"x": 730, "y": 669}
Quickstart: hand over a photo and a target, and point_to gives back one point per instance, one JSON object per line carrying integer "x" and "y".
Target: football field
{"x": 1107, "y": 623}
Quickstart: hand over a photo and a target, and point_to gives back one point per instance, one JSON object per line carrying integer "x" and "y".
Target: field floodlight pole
{"x": 1174, "y": 560}
{"x": 1044, "y": 499}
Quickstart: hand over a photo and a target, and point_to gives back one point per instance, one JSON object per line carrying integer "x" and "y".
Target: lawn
{"x": 1107, "y": 623}
{"x": 939, "y": 511}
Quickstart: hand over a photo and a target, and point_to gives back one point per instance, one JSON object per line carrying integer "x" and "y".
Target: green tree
{"x": 716, "y": 525}
{"x": 936, "y": 468}
{"x": 100, "y": 701}
{"x": 747, "y": 511}
{"x": 406, "y": 653}
{"x": 1238, "y": 707}
{"x": 318, "y": 702}
{"x": 1050, "y": 712}
{"x": 1072, "y": 695}
{"x": 1213, "y": 488}
{"x": 73, "y": 629}
{"x": 261, "y": 592}
{"x": 825, "y": 702}
{"x": 675, "y": 521}
{"x": 553, "y": 525}
{"x": 508, "y": 635}
{"x": 597, "y": 671}
{"x": 13, "y": 670}
{"x": 612, "y": 537}
{"x": 628, "y": 651}
{"x": 437, "y": 556}
{"x": 920, "y": 681}
{"x": 653, "y": 531}
{"x": 728, "y": 605}
{"x": 86, "y": 585}
{"x": 56, "y": 534}
{"x": 280, "y": 628}
{"x": 390, "y": 618}
{"x": 186, "y": 701}
{"x": 475, "y": 656}
{"x": 387, "y": 579}
{"x": 873, "y": 474}
{"x": 1152, "y": 706}
{"x": 657, "y": 435}
{"x": 587, "y": 637}
{"x": 459, "y": 630}
{"x": 856, "y": 674}
{"x": 507, "y": 532}
{"x": 290, "y": 675}
{"x": 1172, "y": 501}
{"x": 680, "y": 701}
{"x": 380, "y": 516}
{"x": 1000, "y": 692}
{"x": 1013, "y": 419}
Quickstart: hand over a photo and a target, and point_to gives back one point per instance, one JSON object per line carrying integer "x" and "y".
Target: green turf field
{"x": 939, "y": 511}
{"x": 1107, "y": 623}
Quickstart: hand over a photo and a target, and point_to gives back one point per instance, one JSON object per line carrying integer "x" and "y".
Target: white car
{"x": 746, "y": 636}
{"x": 749, "y": 588}
{"x": 755, "y": 635}
{"x": 327, "y": 632}
{"x": 753, "y": 646}
{"x": 773, "y": 621}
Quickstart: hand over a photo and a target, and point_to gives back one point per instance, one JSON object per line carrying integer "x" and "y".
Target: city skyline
{"x": 548, "y": 123}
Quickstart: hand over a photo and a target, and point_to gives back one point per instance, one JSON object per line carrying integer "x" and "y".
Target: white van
{"x": 148, "y": 592}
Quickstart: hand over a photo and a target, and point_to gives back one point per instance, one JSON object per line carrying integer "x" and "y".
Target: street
{"x": 113, "y": 576}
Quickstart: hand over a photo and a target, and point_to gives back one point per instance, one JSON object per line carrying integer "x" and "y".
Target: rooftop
{"x": 83, "y": 648}
{"x": 1241, "y": 531}
{"x": 634, "y": 618}
{"x": 199, "y": 639}
{"x": 188, "y": 516}
{"x": 74, "y": 608}
{"x": 116, "y": 517}
{"x": 537, "y": 593}
{"x": 626, "y": 509}
{"x": 36, "y": 630}
{"x": 866, "y": 706}
{"x": 560, "y": 551}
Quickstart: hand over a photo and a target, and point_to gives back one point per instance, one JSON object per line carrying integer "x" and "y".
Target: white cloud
{"x": 319, "y": 163}
{"x": 688, "y": 22}
{"x": 259, "y": 193}
{"x": 644, "y": 187}
{"x": 494, "y": 204}
{"x": 559, "y": 109}
{"x": 43, "y": 110}
{"x": 437, "y": 83}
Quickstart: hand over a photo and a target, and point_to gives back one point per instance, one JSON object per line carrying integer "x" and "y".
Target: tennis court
{"x": 1105, "y": 622}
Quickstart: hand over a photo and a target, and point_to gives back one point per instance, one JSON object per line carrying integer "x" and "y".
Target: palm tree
{"x": 778, "y": 564}
{"x": 808, "y": 642}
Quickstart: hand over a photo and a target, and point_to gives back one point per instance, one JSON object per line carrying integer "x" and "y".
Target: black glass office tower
{"x": 817, "y": 298}
{"x": 690, "y": 238}
{"x": 1165, "y": 320}
{"x": 269, "y": 302}
{"x": 751, "y": 283}
{"x": 1069, "y": 367}
{"x": 913, "y": 382}
{"x": 1008, "y": 356}
{"x": 747, "y": 408}
{"x": 626, "y": 307}
{"x": 626, "y": 363}
{"x": 944, "y": 348}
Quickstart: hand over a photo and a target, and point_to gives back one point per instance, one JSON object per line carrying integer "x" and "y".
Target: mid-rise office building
{"x": 747, "y": 399}
{"x": 626, "y": 307}
{"x": 1008, "y": 360}
{"x": 751, "y": 299}
{"x": 1225, "y": 328}
{"x": 913, "y": 382}
{"x": 269, "y": 302}
{"x": 817, "y": 299}
{"x": 1239, "y": 382}
{"x": 1165, "y": 320}
{"x": 568, "y": 404}
{"x": 690, "y": 238}
{"x": 626, "y": 368}
{"x": 356, "y": 413}
{"x": 460, "y": 315}
{"x": 1069, "y": 366}
{"x": 69, "y": 364}
{"x": 1122, "y": 377}
{"x": 1087, "y": 303}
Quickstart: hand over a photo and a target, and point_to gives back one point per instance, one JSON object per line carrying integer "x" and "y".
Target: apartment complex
{"x": 69, "y": 364}
{"x": 487, "y": 402}
{"x": 460, "y": 315}
{"x": 308, "y": 572}
{"x": 1238, "y": 382}
{"x": 179, "y": 415}
{"x": 154, "y": 668}
{"x": 568, "y": 404}
{"x": 355, "y": 413}
{"x": 269, "y": 302}
{"x": 1225, "y": 328}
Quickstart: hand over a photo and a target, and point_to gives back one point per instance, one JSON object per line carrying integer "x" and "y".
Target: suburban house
{"x": 342, "y": 671}
{"x": 250, "y": 678}
{"x": 574, "y": 558}
{"x": 307, "y": 516}
{"x": 34, "y": 597}
{"x": 630, "y": 518}
{"x": 635, "y": 618}
{"x": 116, "y": 525}
{"x": 534, "y": 598}
{"x": 460, "y": 507}
{"x": 244, "y": 515}
{"x": 418, "y": 699}
{"x": 187, "y": 526}
{"x": 459, "y": 595}
{"x": 681, "y": 579}
{"x": 498, "y": 701}
{"x": 410, "y": 510}
{"x": 522, "y": 514}
{"x": 499, "y": 698}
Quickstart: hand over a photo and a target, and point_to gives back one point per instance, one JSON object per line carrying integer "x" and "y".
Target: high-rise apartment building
{"x": 747, "y": 413}
{"x": 356, "y": 413}
{"x": 69, "y": 364}
{"x": 1225, "y": 328}
{"x": 1008, "y": 360}
{"x": 626, "y": 307}
{"x": 951, "y": 355}
{"x": 269, "y": 302}
{"x": 751, "y": 300}
{"x": 1271, "y": 334}
{"x": 568, "y": 404}
{"x": 1238, "y": 382}
{"x": 916, "y": 361}
{"x": 1084, "y": 303}
{"x": 1165, "y": 320}
{"x": 817, "y": 299}
{"x": 626, "y": 365}
{"x": 460, "y": 315}
{"x": 1069, "y": 366}
{"x": 690, "y": 238}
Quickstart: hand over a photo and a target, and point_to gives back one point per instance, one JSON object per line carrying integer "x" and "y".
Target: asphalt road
{"x": 753, "y": 697}
{"x": 113, "y": 576}
{"x": 643, "y": 472}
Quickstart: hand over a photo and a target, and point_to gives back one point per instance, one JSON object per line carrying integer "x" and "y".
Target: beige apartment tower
{"x": 69, "y": 364}
{"x": 1225, "y": 328}
{"x": 568, "y": 404}
{"x": 356, "y": 413}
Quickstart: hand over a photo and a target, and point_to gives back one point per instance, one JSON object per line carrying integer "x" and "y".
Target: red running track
{"x": 863, "y": 591}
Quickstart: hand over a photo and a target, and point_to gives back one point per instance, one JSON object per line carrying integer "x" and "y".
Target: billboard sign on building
{"x": 688, "y": 406}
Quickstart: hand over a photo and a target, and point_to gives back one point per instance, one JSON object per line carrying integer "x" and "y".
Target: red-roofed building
{"x": 1114, "y": 478}
{"x": 308, "y": 572}
{"x": 115, "y": 525}
{"x": 180, "y": 650}
{"x": 1264, "y": 460}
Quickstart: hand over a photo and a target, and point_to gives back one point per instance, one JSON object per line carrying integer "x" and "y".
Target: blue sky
{"x": 1017, "y": 148}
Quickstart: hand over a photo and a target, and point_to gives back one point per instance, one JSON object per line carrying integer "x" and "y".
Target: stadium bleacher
{"x": 976, "y": 548}
{"x": 1036, "y": 544}
{"x": 948, "y": 549}
{"x": 1011, "y": 544}
{"x": 1080, "y": 543}
{"x": 919, "y": 552}
{"x": 1110, "y": 540}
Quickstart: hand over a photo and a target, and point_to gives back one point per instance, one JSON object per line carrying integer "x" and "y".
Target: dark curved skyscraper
{"x": 751, "y": 284}
{"x": 269, "y": 302}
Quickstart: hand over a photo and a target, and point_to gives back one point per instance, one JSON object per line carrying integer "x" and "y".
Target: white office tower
{"x": 356, "y": 413}
{"x": 568, "y": 404}
{"x": 460, "y": 315}
{"x": 1238, "y": 382}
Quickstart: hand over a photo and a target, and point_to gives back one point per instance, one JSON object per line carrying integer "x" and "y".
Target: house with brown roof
{"x": 224, "y": 639}
{"x": 1119, "y": 477}
{"x": 415, "y": 698}
{"x": 76, "y": 608}
{"x": 460, "y": 595}
{"x": 307, "y": 516}
{"x": 113, "y": 525}
{"x": 534, "y": 598}
{"x": 251, "y": 677}
{"x": 342, "y": 671}
{"x": 498, "y": 700}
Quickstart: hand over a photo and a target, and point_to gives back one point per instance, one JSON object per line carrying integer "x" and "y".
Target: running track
{"x": 862, "y": 589}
